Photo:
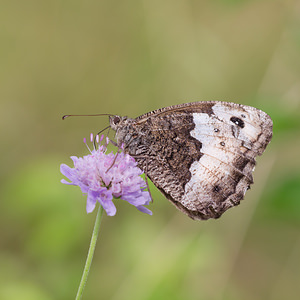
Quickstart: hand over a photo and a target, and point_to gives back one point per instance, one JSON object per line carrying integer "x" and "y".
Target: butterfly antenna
{"x": 95, "y": 115}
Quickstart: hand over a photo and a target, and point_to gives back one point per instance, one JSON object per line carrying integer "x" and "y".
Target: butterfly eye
{"x": 116, "y": 120}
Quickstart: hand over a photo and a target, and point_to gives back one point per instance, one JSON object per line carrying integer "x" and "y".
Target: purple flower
{"x": 106, "y": 176}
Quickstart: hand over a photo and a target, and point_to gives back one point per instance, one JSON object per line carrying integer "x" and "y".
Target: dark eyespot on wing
{"x": 237, "y": 121}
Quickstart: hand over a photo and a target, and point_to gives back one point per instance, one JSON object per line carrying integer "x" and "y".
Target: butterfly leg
{"x": 146, "y": 173}
{"x": 118, "y": 151}
{"x": 146, "y": 179}
{"x": 214, "y": 213}
{"x": 113, "y": 160}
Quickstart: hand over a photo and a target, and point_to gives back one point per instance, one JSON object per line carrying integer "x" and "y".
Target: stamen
{"x": 91, "y": 137}
{"x": 84, "y": 140}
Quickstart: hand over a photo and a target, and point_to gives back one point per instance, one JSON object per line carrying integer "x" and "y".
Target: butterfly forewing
{"x": 200, "y": 155}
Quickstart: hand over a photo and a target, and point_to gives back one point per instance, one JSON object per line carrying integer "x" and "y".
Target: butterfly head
{"x": 115, "y": 120}
{"x": 123, "y": 128}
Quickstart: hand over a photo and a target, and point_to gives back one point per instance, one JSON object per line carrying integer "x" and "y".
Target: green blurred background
{"x": 128, "y": 58}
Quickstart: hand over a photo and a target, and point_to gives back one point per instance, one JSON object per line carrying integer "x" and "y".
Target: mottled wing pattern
{"x": 201, "y": 155}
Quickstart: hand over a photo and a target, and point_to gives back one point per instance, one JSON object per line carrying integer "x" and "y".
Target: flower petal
{"x": 67, "y": 182}
{"x": 109, "y": 207}
{"x": 91, "y": 201}
{"x": 84, "y": 188}
{"x": 135, "y": 199}
{"x": 105, "y": 199}
{"x": 67, "y": 171}
{"x": 144, "y": 210}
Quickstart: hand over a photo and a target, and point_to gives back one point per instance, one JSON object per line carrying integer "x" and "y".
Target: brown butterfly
{"x": 200, "y": 155}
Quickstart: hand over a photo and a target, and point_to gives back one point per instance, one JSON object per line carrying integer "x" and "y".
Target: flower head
{"x": 106, "y": 176}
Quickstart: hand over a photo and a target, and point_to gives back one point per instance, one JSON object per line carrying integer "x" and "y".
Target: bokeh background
{"x": 128, "y": 58}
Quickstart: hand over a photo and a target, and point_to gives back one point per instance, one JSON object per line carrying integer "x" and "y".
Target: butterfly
{"x": 200, "y": 155}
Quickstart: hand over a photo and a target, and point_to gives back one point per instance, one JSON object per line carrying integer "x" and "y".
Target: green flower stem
{"x": 90, "y": 253}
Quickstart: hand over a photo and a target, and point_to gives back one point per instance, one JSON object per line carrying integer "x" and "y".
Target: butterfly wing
{"x": 201, "y": 155}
